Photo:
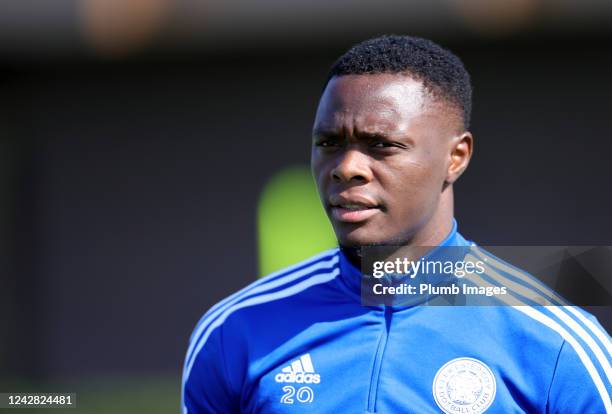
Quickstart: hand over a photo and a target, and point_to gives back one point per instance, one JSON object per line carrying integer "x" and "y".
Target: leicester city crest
{"x": 464, "y": 385}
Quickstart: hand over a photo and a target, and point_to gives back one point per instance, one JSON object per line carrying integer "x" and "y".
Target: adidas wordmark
{"x": 300, "y": 371}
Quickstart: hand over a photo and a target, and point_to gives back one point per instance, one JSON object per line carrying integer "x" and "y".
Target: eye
{"x": 326, "y": 143}
{"x": 381, "y": 144}
{"x": 386, "y": 145}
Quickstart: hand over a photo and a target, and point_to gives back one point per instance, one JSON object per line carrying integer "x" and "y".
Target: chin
{"x": 358, "y": 238}
{"x": 369, "y": 236}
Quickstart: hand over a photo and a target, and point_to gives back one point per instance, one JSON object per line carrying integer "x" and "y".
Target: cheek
{"x": 413, "y": 188}
{"x": 317, "y": 169}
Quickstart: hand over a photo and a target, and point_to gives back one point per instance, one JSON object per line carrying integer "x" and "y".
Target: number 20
{"x": 303, "y": 395}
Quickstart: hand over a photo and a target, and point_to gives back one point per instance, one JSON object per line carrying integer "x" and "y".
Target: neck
{"x": 438, "y": 225}
{"x": 353, "y": 254}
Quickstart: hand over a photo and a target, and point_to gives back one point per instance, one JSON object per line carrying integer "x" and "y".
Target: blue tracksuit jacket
{"x": 299, "y": 341}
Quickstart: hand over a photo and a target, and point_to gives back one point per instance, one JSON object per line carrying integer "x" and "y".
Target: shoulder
{"x": 526, "y": 294}
{"x": 207, "y": 336}
{"x": 282, "y": 284}
{"x": 543, "y": 315}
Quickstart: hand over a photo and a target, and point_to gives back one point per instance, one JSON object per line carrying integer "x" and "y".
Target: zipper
{"x": 378, "y": 359}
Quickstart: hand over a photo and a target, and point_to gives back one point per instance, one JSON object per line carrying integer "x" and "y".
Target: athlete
{"x": 390, "y": 138}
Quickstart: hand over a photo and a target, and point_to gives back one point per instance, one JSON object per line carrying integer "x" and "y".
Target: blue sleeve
{"x": 573, "y": 388}
{"x": 206, "y": 383}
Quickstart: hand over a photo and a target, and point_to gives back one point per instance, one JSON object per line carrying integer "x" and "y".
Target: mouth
{"x": 353, "y": 210}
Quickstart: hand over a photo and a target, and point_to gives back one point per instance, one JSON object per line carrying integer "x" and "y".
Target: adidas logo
{"x": 300, "y": 371}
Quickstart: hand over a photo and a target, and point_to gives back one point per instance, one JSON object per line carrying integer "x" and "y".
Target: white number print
{"x": 287, "y": 396}
{"x": 304, "y": 395}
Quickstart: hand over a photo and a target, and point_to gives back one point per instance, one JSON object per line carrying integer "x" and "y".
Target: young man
{"x": 390, "y": 138}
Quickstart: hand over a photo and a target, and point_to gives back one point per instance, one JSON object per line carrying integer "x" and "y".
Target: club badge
{"x": 464, "y": 385}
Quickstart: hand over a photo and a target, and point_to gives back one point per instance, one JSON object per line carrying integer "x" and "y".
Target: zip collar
{"x": 350, "y": 275}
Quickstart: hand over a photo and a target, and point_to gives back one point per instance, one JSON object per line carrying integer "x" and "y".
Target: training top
{"x": 300, "y": 341}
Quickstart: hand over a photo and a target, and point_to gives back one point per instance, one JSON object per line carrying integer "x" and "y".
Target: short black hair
{"x": 441, "y": 71}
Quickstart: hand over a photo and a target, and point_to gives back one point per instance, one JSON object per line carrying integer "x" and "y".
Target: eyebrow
{"x": 372, "y": 135}
{"x": 325, "y": 132}
{"x": 359, "y": 134}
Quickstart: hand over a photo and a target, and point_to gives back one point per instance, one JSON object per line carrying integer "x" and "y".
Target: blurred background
{"x": 154, "y": 159}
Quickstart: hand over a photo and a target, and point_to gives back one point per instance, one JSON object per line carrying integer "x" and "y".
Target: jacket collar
{"x": 350, "y": 275}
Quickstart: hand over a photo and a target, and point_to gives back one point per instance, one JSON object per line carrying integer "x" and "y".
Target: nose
{"x": 352, "y": 165}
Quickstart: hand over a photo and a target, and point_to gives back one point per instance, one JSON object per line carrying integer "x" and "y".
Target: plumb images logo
{"x": 300, "y": 371}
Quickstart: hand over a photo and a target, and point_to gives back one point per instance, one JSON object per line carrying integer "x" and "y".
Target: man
{"x": 390, "y": 138}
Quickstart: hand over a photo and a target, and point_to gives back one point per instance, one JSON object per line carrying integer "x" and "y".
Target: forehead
{"x": 372, "y": 101}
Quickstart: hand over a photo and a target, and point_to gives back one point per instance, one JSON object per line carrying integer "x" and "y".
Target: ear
{"x": 460, "y": 155}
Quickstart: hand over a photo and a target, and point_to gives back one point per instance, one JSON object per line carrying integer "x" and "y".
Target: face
{"x": 384, "y": 151}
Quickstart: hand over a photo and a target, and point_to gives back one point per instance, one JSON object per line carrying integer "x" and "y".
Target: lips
{"x": 353, "y": 209}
